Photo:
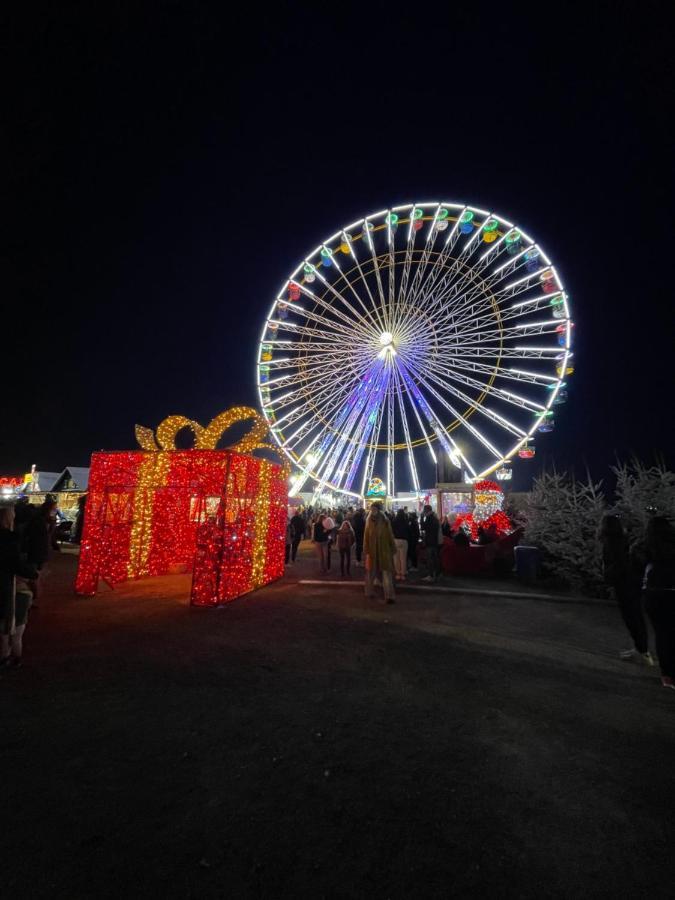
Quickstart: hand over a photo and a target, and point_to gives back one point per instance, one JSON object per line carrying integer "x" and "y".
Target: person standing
{"x": 15, "y": 594}
{"x": 659, "y": 588}
{"x": 289, "y": 540}
{"x": 79, "y": 520}
{"x": 345, "y": 539}
{"x": 297, "y": 532}
{"x": 379, "y": 546}
{"x": 401, "y": 536}
{"x": 358, "y": 524}
{"x": 330, "y": 529}
{"x": 413, "y": 540}
{"x": 432, "y": 539}
{"x": 320, "y": 541}
{"x": 38, "y": 538}
{"x": 620, "y": 577}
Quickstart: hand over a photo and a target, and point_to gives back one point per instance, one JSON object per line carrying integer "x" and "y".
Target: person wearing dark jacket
{"x": 413, "y": 540}
{"x": 320, "y": 541}
{"x": 38, "y": 538}
{"x": 297, "y": 532}
{"x": 432, "y": 538}
{"x": 401, "y": 536}
{"x": 15, "y": 598}
{"x": 38, "y": 534}
{"x": 359, "y": 525}
{"x": 659, "y": 589}
{"x": 461, "y": 538}
{"x": 626, "y": 585}
{"x": 79, "y": 520}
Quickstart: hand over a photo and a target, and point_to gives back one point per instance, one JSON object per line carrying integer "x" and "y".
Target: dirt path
{"x": 303, "y": 742}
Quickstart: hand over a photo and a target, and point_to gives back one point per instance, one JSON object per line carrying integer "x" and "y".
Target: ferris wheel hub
{"x": 386, "y": 338}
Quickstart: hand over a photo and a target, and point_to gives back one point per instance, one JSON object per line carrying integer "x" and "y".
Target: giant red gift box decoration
{"x": 220, "y": 512}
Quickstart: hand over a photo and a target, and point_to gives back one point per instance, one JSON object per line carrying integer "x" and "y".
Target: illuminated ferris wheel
{"x": 419, "y": 331}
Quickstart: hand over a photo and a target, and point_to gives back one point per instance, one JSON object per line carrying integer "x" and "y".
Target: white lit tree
{"x": 641, "y": 492}
{"x": 562, "y": 519}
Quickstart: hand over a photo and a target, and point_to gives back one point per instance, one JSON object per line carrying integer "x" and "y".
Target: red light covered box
{"x": 220, "y": 513}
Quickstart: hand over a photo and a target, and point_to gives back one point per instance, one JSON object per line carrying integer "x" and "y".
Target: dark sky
{"x": 171, "y": 163}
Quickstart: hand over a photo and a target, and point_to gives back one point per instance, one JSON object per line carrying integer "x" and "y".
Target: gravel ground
{"x": 305, "y": 742}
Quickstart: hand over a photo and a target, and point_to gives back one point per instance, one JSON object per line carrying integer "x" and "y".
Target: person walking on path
{"x": 401, "y": 536}
{"x": 345, "y": 539}
{"x": 297, "y": 533}
{"x": 359, "y": 524}
{"x": 15, "y": 594}
{"x": 379, "y": 547}
{"x": 433, "y": 538}
{"x": 659, "y": 587}
{"x": 625, "y": 583}
{"x": 320, "y": 541}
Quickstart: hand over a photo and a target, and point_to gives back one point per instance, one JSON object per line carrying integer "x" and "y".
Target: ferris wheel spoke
{"x": 426, "y": 382}
{"x": 488, "y": 388}
{"x": 375, "y": 309}
{"x": 429, "y": 279}
{"x": 310, "y": 400}
{"x": 371, "y": 313}
{"x": 345, "y": 425}
{"x": 477, "y": 336}
{"x": 391, "y": 238}
{"x": 295, "y": 329}
{"x": 328, "y": 325}
{"x": 307, "y": 404}
{"x": 358, "y": 423}
{"x": 437, "y": 427}
{"x": 498, "y": 419}
{"x": 376, "y": 269}
{"x": 350, "y": 322}
{"x": 391, "y": 440}
{"x": 406, "y": 431}
{"x": 517, "y": 310}
{"x": 370, "y": 424}
{"x": 372, "y": 452}
{"x": 368, "y": 318}
{"x": 407, "y": 262}
{"x": 451, "y": 290}
{"x": 354, "y": 394}
{"x": 432, "y": 234}
{"x": 516, "y": 375}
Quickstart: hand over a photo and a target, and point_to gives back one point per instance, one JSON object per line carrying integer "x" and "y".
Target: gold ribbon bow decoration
{"x": 207, "y": 438}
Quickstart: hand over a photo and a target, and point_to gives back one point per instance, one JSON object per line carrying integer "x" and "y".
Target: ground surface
{"x": 304, "y": 742}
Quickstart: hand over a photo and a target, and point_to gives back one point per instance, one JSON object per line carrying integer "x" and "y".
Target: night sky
{"x": 171, "y": 163}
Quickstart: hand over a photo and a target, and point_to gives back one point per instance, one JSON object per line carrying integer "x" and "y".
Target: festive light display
{"x": 376, "y": 488}
{"x": 220, "y": 512}
{"x": 446, "y": 325}
{"x": 487, "y": 512}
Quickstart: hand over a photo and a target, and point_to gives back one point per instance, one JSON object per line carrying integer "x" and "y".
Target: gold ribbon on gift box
{"x": 154, "y": 471}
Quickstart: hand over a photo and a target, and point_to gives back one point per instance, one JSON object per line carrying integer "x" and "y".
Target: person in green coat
{"x": 379, "y": 547}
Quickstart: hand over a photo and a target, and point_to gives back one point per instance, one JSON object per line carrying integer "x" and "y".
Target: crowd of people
{"x": 387, "y": 545}
{"x": 343, "y": 530}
